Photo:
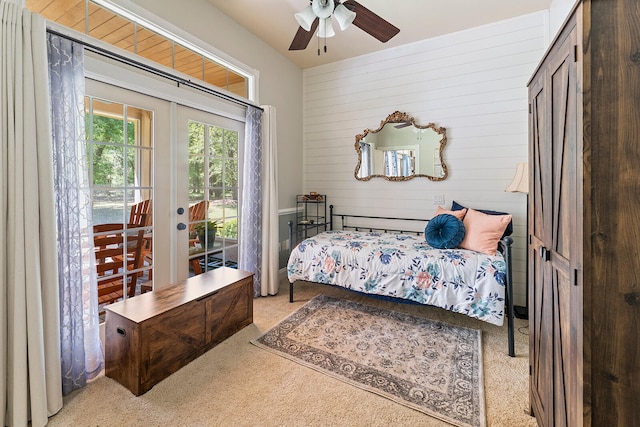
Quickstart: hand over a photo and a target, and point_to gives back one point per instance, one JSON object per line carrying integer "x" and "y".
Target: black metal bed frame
{"x": 505, "y": 247}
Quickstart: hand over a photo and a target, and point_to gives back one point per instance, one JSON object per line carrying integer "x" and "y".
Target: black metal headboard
{"x": 344, "y": 223}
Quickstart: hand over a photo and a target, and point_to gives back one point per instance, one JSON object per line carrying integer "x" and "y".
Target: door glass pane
{"x": 131, "y": 155}
{"x": 108, "y": 206}
{"x": 213, "y": 239}
{"x": 215, "y": 175}
{"x": 196, "y": 175}
{"x": 108, "y": 123}
{"x": 230, "y": 173}
{"x": 108, "y": 165}
{"x": 216, "y": 142}
{"x": 120, "y": 148}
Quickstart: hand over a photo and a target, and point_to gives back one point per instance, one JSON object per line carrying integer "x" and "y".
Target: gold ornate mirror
{"x": 400, "y": 150}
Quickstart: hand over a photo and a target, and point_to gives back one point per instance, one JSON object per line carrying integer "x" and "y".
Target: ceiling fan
{"x": 318, "y": 16}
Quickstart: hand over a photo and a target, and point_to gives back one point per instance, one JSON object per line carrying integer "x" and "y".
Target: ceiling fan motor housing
{"x": 323, "y": 8}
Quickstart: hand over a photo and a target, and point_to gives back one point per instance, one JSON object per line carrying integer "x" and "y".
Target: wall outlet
{"x": 438, "y": 199}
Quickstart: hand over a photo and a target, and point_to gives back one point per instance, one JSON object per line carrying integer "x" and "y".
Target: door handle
{"x": 181, "y": 226}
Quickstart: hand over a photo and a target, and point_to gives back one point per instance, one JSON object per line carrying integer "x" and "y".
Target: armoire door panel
{"x": 541, "y": 340}
{"x": 540, "y": 304}
{"x": 563, "y": 134}
{"x": 564, "y": 231}
{"x": 536, "y": 202}
{"x": 564, "y": 370}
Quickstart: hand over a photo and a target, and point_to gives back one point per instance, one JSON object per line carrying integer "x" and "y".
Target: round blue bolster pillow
{"x": 444, "y": 231}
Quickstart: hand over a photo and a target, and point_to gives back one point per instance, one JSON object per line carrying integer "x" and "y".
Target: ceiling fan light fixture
{"x": 325, "y": 29}
{"x": 347, "y": 12}
{"x": 344, "y": 16}
{"x": 322, "y": 8}
{"x": 306, "y": 18}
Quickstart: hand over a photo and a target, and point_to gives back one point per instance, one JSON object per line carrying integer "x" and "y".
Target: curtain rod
{"x": 153, "y": 70}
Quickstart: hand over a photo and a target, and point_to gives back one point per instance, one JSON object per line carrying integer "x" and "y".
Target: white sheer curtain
{"x": 29, "y": 311}
{"x": 270, "y": 233}
{"x": 81, "y": 350}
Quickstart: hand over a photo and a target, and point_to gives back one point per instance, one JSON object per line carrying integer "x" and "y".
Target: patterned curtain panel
{"x": 391, "y": 163}
{"x": 406, "y": 165}
{"x": 366, "y": 165}
{"x": 81, "y": 351}
{"x": 250, "y": 258}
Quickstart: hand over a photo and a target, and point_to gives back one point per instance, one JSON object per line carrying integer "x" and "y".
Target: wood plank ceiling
{"x": 113, "y": 29}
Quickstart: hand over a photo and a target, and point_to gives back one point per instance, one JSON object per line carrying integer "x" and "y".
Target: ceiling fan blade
{"x": 371, "y": 23}
{"x": 302, "y": 38}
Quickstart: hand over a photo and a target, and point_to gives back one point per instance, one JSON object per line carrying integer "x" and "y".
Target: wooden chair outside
{"x": 140, "y": 215}
{"x": 197, "y": 212}
{"x": 109, "y": 243}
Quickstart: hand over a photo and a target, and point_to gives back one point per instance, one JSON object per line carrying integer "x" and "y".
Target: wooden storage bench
{"x": 151, "y": 336}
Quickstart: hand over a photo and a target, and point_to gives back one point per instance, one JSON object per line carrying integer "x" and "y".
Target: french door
{"x": 209, "y": 190}
{"x": 182, "y": 164}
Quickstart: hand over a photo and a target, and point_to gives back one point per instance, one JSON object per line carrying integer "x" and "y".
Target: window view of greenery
{"x": 213, "y": 182}
{"x": 119, "y": 156}
{"x": 114, "y": 157}
{"x": 213, "y": 174}
{"x": 109, "y": 165}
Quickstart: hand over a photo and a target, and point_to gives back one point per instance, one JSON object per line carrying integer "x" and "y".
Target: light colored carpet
{"x": 433, "y": 367}
{"x": 239, "y": 384}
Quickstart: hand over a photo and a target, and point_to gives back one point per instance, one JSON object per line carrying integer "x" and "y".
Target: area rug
{"x": 429, "y": 366}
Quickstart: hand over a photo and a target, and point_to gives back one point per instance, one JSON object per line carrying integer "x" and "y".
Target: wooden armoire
{"x": 584, "y": 220}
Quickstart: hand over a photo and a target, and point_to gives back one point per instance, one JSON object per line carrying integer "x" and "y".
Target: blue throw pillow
{"x": 507, "y": 232}
{"x": 444, "y": 231}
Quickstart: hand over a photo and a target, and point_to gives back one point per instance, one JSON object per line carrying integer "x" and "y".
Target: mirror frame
{"x": 399, "y": 117}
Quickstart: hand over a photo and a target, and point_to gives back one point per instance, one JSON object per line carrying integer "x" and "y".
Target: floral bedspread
{"x": 404, "y": 266}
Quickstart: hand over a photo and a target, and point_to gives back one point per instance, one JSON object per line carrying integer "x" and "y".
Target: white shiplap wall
{"x": 472, "y": 82}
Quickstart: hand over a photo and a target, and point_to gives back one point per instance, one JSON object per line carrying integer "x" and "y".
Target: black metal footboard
{"x": 506, "y": 244}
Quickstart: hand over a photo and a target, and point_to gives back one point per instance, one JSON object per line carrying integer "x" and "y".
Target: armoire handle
{"x": 544, "y": 253}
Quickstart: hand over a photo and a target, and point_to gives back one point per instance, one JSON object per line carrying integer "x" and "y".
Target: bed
{"x": 400, "y": 265}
